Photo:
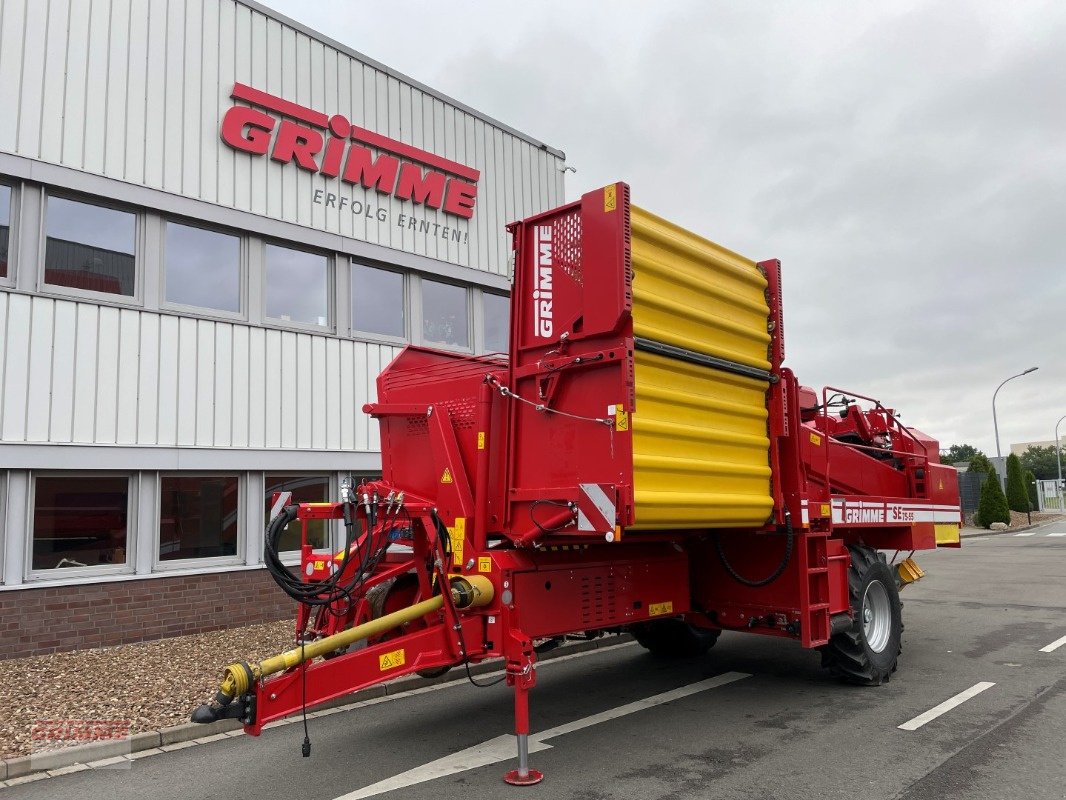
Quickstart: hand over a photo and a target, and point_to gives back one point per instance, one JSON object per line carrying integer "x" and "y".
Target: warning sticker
{"x": 481, "y": 440}
{"x": 484, "y": 564}
{"x": 610, "y": 197}
{"x": 658, "y": 609}
{"x": 387, "y": 661}
{"x": 457, "y": 536}
{"x": 816, "y": 440}
{"x": 446, "y": 476}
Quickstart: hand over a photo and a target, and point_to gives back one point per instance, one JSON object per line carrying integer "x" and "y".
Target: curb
{"x": 97, "y": 755}
{"x": 982, "y": 532}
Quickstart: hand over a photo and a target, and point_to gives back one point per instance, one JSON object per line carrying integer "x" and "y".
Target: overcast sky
{"x": 906, "y": 161}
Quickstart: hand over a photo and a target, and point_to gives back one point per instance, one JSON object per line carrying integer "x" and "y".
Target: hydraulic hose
{"x": 789, "y": 536}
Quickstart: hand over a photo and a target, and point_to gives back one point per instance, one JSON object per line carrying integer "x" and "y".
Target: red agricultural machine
{"x": 641, "y": 462}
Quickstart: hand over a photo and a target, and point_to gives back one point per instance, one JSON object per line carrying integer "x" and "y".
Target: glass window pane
{"x": 444, "y": 314}
{"x": 79, "y": 521}
{"x": 203, "y": 268}
{"x": 377, "y": 301}
{"x": 305, "y": 489}
{"x": 497, "y": 310}
{"x": 296, "y": 286}
{"x": 89, "y": 247}
{"x": 5, "y": 226}
{"x": 198, "y": 517}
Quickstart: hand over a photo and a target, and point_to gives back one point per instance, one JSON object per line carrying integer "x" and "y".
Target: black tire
{"x": 867, "y": 653}
{"x": 674, "y": 638}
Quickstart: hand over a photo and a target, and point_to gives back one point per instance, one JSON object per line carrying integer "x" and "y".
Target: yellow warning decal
{"x": 446, "y": 476}
{"x": 610, "y": 197}
{"x": 816, "y": 440}
{"x": 658, "y": 609}
{"x": 481, "y": 440}
{"x": 457, "y": 536}
{"x": 825, "y": 509}
{"x": 484, "y": 564}
{"x": 621, "y": 420}
{"x": 940, "y": 485}
{"x": 320, "y": 565}
{"x": 387, "y": 661}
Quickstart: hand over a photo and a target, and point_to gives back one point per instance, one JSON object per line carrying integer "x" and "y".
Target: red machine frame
{"x": 467, "y": 449}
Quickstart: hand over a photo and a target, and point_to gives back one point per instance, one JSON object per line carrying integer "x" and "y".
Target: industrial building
{"x": 216, "y": 227}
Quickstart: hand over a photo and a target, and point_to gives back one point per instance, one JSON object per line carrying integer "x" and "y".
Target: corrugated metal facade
{"x": 90, "y": 374}
{"x": 140, "y": 98}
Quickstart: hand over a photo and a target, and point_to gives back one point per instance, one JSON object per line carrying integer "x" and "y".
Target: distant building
{"x": 1020, "y": 448}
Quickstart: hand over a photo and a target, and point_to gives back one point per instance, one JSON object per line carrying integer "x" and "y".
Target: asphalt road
{"x": 777, "y": 728}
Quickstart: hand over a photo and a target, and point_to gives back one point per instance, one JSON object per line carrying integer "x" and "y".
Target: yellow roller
{"x": 700, "y": 442}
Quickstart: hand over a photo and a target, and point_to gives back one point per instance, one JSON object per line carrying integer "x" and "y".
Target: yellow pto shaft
{"x": 470, "y": 591}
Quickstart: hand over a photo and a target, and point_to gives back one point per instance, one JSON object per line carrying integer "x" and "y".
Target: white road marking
{"x": 1057, "y": 534}
{"x": 1031, "y": 533}
{"x": 1055, "y": 645}
{"x": 946, "y": 706}
{"x": 503, "y": 748}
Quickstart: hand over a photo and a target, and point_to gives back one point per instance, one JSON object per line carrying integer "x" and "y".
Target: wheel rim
{"x": 876, "y": 616}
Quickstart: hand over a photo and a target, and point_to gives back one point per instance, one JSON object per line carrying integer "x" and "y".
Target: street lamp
{"x": 995, "y": 423}
{"x": 1058, "y": 459}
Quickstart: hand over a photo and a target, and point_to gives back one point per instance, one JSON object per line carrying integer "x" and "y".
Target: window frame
{"x": 12, "y": 230}
{"x": 483, "y": 293}
{"x": 405, "y": 302}
{"x": 331, "y": 294}
{"x": 242, "y": 272}
{"x": 292, "y": 557}
{"x": 467, "y": 291}
{"x": 68, "y": 292}
{"x": 30, "y": 574}
{"x": 179, "y": 564}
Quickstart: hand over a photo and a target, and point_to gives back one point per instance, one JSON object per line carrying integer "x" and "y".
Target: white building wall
{"x": 81, "y": 373}
{"x": 135, "y": 90}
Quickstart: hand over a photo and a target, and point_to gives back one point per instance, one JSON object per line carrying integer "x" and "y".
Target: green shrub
{"x": 992, "y": 506}
{"x": 1017, "y": 497}
{"x": 980, "y": 463}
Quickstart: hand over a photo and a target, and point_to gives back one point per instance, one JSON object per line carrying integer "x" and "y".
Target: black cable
{"x": 305, "y": 748}
{"x": 775, "y": 574}
{"x": 556, "y": 503}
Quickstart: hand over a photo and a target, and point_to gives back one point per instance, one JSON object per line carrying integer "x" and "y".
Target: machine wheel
{"x": 866, "y": 653}
{"x": 403, "y": 593}
{"x": 674, "y": 638}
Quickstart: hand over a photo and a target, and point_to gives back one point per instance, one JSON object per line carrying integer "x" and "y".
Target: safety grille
{"x": 598, "y": 593}
{"x": 566, "y": 241}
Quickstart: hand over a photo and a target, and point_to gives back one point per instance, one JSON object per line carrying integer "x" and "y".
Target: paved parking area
{"x": 977, "y": 710}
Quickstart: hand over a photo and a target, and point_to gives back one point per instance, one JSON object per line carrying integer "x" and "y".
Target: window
{"x": 5, "y": 227}
{"x": 497, "y": 310}
{"x": 90, "y": 247}
{"x": 198, "y": 517}
{"x": 203, "y": 268}
{"x": 297, "y": 286}
{"x": 79, "y": 521}
{"x": 444, "y": 314}
{"x": 305, "y": 489}
{"x": 377, "y": 301}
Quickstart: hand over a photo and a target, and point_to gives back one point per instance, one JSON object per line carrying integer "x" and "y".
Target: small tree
{"x": 1030, "y": 486}
{"x": 959, "y": 452}
{"x": 1017, "y": 497}
{"x": 980, "y": 463}
{"x": 992, "y": 507}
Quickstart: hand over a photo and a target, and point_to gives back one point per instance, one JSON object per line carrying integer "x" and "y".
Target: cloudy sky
{"x": 905, "y": 160}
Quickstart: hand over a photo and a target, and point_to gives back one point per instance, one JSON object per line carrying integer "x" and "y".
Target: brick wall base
{"x": 53, "y": 619}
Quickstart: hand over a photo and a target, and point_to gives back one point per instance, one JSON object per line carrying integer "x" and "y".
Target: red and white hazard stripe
{"x": 596, "y": 507}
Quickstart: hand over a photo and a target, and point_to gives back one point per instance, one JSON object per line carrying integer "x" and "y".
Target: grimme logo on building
{"x": 343, "y": 152}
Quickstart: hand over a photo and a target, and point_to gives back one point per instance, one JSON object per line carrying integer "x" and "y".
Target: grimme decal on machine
{"x": 344, "y": 153}
{"x": 542, "y": 294}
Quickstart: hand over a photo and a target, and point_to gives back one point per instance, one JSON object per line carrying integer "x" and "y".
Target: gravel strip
{"x": 150, "y": 684}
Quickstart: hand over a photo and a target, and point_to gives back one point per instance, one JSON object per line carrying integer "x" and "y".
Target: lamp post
{"x": 1058, "y": 460}
{"x": 995, "y": 423}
